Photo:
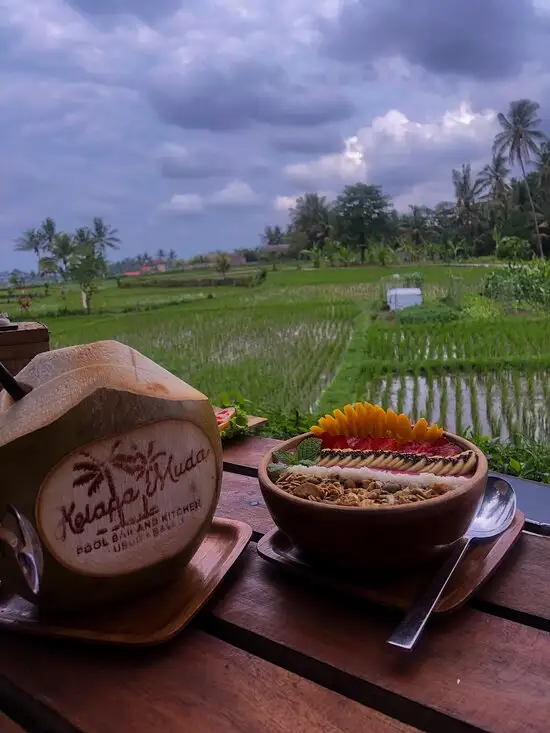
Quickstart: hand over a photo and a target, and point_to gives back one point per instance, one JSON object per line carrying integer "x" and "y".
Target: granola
{"x": 367, "y": 493}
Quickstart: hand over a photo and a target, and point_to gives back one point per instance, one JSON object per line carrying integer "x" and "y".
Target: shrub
{"x": 525, "y": 284}
{"x": 514, "y": 249}
{"x": 413, "y": 280}
{"x": 428, "y": 313}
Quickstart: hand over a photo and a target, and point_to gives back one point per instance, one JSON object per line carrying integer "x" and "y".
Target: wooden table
{"x": 273, "y": 654}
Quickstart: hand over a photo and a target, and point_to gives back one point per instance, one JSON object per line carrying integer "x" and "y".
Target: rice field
{"x": 280, "y": 358}
{"x": 490, "y": 377}
{"x": 306, "y": 342}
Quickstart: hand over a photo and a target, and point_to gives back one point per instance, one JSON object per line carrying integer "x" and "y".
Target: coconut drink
{"x": 111, "y": 476}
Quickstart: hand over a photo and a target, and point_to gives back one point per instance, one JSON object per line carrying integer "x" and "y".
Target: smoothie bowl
{"x": 367, "y": 489}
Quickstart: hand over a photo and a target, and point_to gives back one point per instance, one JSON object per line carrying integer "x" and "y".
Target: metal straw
{"x": 10, "y": 384}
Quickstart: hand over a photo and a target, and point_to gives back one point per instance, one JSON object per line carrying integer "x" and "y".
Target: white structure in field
{"x": 399, "y": 298}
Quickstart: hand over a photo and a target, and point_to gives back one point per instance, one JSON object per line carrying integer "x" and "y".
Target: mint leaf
{"x": 308, "y": 450}
{"x": 274, "y": 470}
{"x": 307, "y": 463}
{"x": 283, "y": 457}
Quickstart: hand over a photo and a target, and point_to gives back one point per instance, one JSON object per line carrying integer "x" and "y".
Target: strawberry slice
{"x": 424, "y": 448}
{"x": 385, "y": 444}
{"x": 334, "y": 442}
{"x": 444, "y": 447}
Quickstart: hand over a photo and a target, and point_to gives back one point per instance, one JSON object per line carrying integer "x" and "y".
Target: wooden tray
{"x": 253, "y": 421}
{"x": 398, "y": 592}
{"x": 151, "y": 619}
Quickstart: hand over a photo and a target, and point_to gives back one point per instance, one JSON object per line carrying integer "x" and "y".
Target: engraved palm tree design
{"x": 94, "y": 472}
{"x": 140, "y": 464}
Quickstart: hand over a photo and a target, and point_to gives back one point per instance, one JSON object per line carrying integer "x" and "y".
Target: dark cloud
{"x": 231, "y": 97}
{"x": 312, "y": 142}
{"x": 179, "y": 163}
{"x": 148, "y": 10}
{"x": 482, "y": 39}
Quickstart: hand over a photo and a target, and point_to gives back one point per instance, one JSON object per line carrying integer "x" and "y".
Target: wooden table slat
{"x": 521, "y": 583}
{"x": 241, "y": 498}
{"x": 197, "y": 683}
{"x": 489, "y": 672}
{"x": 244, "y": 455}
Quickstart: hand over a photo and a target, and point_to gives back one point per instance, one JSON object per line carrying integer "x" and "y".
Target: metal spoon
{"x": 494, "y": 515}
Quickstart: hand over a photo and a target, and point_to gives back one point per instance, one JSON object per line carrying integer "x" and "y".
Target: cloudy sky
{"x": 191, "y": 124}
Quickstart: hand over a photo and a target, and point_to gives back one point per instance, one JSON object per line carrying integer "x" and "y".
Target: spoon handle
{"x": 408, "y": 632}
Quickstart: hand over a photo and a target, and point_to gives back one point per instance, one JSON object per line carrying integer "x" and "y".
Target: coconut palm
{"x": 467, "y": 191}
{"x": 48, "y": 232}
{"x": 520, "y": 142}
{"x": 31, "y": 241}
{"x": 311, "y": 215}
{"x": 83, "y": 239}
{"x": 543, "y": 166}
{"x": 104, "y": 235}
{"x": 494, "y": 189}
{"x": 416, "y": 225}
{"x": 62, "y": 252}
{"x": 492, "y": 182}
{"x": 273, "y": 236}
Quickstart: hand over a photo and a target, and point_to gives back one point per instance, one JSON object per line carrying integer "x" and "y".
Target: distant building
{"x": 159, "y": 264}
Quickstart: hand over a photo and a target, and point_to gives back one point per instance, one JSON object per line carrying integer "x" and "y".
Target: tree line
{"x": 493, "y": 212}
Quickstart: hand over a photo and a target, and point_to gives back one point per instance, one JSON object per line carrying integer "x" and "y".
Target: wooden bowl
{"x": 374, "y": 539}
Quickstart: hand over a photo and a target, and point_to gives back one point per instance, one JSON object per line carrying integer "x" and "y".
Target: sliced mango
{"x": 391, "y": 422}
{"x": 420, "y": 430}
{"x": 342, "y": 422}
{"x": 363, "y": 420}
{"x": 434, "y": 433}
{"x": 351, "y": 417}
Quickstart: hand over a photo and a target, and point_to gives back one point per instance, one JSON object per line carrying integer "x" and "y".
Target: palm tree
{"x": 494, "y": 188}
{"x": 83, "y": 239}
{"x": 311, "y": 215}
{"x": 416, "y": 225}
{"x": 48, "y": 232}
{"x": 104, "y": 235}
{"x": 492, "y": 178}
{"x": 161, "y": 254}
{"x": 63, "y": 252}
{"x": 466, "y": 191}
{"x": 273, "y": 236}
{"x": 543, "y": 166}
{"x": 520, "y": 141}
{"x": 31, "y": 241}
